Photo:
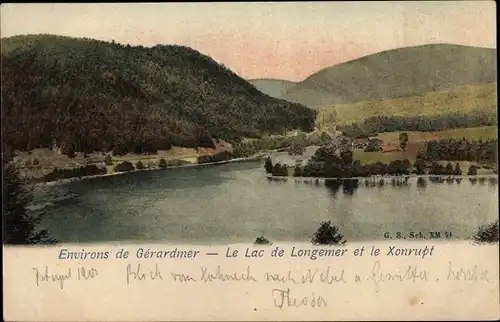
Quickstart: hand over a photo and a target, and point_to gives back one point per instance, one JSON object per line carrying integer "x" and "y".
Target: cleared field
{"x": 416, "y": 141}
{"x": 466, "y": 99}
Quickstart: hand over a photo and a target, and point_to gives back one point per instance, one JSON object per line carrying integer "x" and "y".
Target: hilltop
{"x": 272, "y": 87}
{"x": 397, "y": 73}
{"x": 88, "y": 95}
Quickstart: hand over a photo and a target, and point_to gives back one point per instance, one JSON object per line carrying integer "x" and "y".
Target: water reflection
{"x": 436, "y": 179}
{"x": 333, "y": 186}
{"x": 450, "y": 180}
{"x": 399, "y": 181}
{"x": 421, "y": 182}
{"x": 349, "y": 186}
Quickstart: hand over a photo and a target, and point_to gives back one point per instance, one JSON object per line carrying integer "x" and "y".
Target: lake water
{"x": 235, "y": 203}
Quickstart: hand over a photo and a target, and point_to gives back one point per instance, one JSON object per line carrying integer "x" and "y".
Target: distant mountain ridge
{"x": 402, "y": 72}
{"x": 272, "y": 87}
{"x": 87, "y": 95}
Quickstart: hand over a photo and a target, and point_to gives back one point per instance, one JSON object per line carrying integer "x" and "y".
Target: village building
{"x": 389, "y": 148}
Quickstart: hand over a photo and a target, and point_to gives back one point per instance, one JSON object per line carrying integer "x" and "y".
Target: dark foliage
{"x": 421, "y": 182}
{"x": 88, "y": 170}
{"x": 487, "y": 233}
{"x": 124, "y": 167}
{"x": 462, "y": 150}
{"x": 279, "y": 170}
{"x": 328, "y": 234}
{"x": 108, "y": 160}
{"x": 297, "y": 172}
{"x": 472, "y": 171}
{"x": 139, "y": 165}
{"x": 162, "y": 163}
{"x": 262, "y": 241}
{"x": 399, "y": 167}
{"x": 268, "y": 165}
{"x": 92, "y": 95}
{"x": 419, "y": 166}
{"x": 19, "y": 227}
{"x": 403, "y": 140}
{"x": 326, "y": 163}
{"x": 380, "y": 124}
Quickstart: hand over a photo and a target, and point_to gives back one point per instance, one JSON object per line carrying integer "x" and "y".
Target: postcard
{"x": 258, "y": 161}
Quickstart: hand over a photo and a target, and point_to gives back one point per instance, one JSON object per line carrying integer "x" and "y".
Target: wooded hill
{"x": 402, "y": 72}
{"x": 93, "y": 95}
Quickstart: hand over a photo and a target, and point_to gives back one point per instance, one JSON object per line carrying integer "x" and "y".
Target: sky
{"x": 288, "y": 40}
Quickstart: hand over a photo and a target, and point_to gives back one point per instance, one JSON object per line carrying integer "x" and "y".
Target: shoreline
{"x": 285, "y": 178}
{"x": 193, "y": 165}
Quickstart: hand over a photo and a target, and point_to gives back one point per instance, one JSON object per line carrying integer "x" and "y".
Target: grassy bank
{"x": 37, "y": 164}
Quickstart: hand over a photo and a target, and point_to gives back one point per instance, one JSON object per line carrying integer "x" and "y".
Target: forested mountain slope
{"x": 92, "y": 95}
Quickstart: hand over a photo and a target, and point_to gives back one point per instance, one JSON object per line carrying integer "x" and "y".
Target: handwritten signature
{"x": 284, "y": 298}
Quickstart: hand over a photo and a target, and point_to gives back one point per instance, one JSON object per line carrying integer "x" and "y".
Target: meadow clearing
{"x": 464, "y": 100}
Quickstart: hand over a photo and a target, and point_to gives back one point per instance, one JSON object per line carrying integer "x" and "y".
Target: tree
{"x": 472, "y": 171}
{"x": 268, "y": 165}
{"x": 436, "y": 169}
{"x": 419, "y": 166}
{"x": 108, "y": 160}
{"x": 403, "y": 140}
{"x": 139, "y": 165}
{"x": 262, "y": 240}
{"x": 457, "y": 171}
{"x": 19, "y": 227}
{"x": 399, "y": 167}
{"x": 280, "y": 170}
{"x": 124, "y": 166}
{"x": 327, "y": 234}
{"x": 488, "y": 233}
{"x": 449, "y": 168}
{"x": 346, "y": 157}
{"x": 297, "y": 172}
{"x": 162, "y": 163}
